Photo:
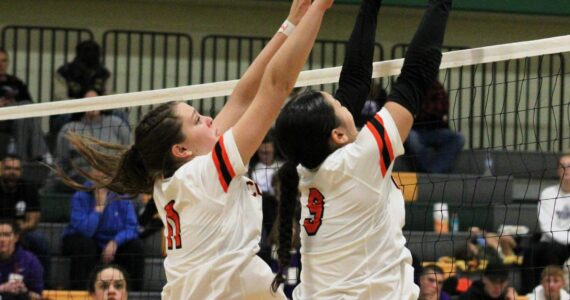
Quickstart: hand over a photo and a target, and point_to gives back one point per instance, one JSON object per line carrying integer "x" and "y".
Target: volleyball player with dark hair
{"x": 195, "y": 166}
{"x": 108, "y": 282}
{"x": 352, "y": 246}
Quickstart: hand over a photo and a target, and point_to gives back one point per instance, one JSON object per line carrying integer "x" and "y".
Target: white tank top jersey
{"x": 212, "y": 226}
{"x": 352, "y": 246}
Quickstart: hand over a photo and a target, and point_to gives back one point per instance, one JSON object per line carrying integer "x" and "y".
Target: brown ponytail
{"x": 132, "y": 170}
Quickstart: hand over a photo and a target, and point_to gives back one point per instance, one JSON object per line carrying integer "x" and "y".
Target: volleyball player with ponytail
{"x": 352, "y": 246}
{"x": 195, "y": 168}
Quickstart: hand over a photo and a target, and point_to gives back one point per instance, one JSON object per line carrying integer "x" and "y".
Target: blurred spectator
{"x": 551, "y": 285}
{"x": 20, "y": 89}
{"x": 478, "y": 249}
{"x": 148, "y": 217}
{"x": 269, "y": 207}
{"x": 497, "y": 246}
{"x": 264, "y": 163}
{"x": 19, "y": 201}
{"x": 466, "y": 261}
{"x": 106, "y": 128}
{"x": 21, "y": 136}
{"x": 431, "y": 141}
{"x": 102, "y": 229}
{"x": 554, "y": 222}
{"x": 85, "y": 73}
{"x": 493, "y": 286}
{"x": 469, "y": 258}
{"x": 108, "y": 282}
{"x": 373, "y": 105}
{"x": 431, "y": 283}
{"x": 75, "y": 79}
{"x": 21, "y": 274}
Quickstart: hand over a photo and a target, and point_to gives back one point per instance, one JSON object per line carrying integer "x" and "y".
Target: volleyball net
{"x": 509, "y": 102}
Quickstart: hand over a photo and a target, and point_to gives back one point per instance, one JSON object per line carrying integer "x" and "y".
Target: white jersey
{"x": 554, "y": 215}
{"x": 539, "y": 294}
{"x": 352, "y": 246}
{"x": 212, "y": 216}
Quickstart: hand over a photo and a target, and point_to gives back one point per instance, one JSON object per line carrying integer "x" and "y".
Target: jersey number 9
{"x": 316, "y": 207}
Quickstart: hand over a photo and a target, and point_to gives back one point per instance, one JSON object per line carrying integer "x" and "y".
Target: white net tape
{"x": 307, "y": 78}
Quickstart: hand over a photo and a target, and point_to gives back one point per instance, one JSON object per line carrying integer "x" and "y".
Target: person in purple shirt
{"x": 21, "y": 274}
{"x": 102, "y": 229}
{"x": 431, "y": 282}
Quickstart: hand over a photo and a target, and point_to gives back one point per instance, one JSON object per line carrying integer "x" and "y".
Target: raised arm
{"x": 278, "y": 81}
{"x": 248, "y": 85}
{"x": 420, "y": 68}
{"x": 356, "y": 74}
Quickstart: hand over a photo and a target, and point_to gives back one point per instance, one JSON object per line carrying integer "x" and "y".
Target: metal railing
{"x": 512, "y": 105}
{"x": 146, "y": 60}
{"x": 37, "y": 52}
{"x": 227, "y": 57}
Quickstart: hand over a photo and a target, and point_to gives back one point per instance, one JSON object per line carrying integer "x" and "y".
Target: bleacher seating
{"x": 55, "y": 207}
{"x": 464, "y": 188}
{"x": 520, "y": 164}
{"x": 419, "y": 216}
{"x": 154, "y": 275}
{"x": 509, "y": 198}
{"x": 429, "y": 245}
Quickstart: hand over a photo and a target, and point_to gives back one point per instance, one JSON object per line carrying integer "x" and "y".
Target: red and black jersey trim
{"x": 223, "y": 165}
{"x": 377, "y": 128}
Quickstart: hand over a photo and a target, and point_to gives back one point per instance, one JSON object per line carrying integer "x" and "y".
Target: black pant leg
{"x": 131, "y": 257}
{"x": 84, "y": 254}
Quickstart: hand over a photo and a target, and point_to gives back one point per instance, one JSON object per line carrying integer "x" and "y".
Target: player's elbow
{"x": 279, "y": 83}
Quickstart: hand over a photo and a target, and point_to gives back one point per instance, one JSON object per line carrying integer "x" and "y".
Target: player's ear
{"x": 339, "y": 136}
{"x": 180, "y": 151}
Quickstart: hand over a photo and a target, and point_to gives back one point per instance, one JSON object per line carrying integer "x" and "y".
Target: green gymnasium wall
{"x": 536, "y": 7}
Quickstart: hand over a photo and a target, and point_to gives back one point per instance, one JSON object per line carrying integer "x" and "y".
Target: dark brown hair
{"x": 100, "y": 268}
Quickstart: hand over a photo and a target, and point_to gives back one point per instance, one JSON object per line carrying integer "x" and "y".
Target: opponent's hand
{"x": 298, "y": 10}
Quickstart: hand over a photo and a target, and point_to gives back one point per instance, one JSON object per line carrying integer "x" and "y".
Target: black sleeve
{"x": 32, "y": 198}
{"x": 423, "y": 57}
{"x": 356, "y": 74}
{"x": 148, "y": 213}
{"x": 25, "y": 95}
{"x": 450, "y": 286}
{"x": 24, "y": 92}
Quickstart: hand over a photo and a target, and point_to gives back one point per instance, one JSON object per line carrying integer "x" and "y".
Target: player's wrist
{"x": 287, "y": 27}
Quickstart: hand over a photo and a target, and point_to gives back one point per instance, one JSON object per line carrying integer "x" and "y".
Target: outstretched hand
{"x": 298, "y": 10}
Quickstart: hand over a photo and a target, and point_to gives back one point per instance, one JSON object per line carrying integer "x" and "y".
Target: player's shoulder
{"x": 192, "y": 166}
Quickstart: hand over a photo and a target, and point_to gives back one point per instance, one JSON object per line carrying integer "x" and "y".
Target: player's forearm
{"x": 278, "y": 81}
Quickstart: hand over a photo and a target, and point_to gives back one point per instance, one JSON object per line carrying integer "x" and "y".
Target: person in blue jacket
{"x": 102, "y": 229}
